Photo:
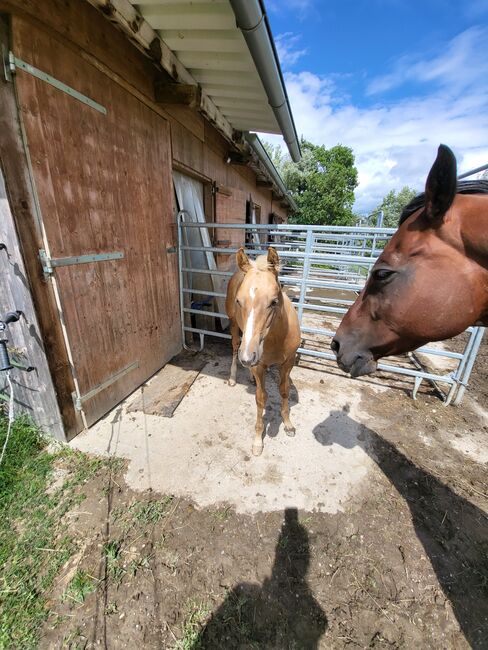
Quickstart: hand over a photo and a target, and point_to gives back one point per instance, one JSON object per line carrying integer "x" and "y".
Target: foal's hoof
{"x": 257, "y": 450}
{"x": 290, "y": 431}
{"x": 232, "y": 382}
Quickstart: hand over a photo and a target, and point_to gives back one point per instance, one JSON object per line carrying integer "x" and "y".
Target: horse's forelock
{"x": 261, "y": 263}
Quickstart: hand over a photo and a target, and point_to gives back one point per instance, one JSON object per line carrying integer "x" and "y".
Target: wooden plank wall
{"x": 196, "y": 148}
{"x": 104, "y": 185}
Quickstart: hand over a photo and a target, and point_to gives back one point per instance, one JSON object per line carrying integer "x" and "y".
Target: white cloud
{"x": 288, "y": 50}
{"x": 395, "y": 142}
{"x": 461, "y": 64}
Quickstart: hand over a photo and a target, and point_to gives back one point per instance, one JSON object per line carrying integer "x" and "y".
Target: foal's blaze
{"x": 257, "y": 302}
{"x": 258, "y": 308}
{"x": 431, "y": 281}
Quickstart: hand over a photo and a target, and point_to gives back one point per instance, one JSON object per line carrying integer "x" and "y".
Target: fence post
{"x": 469, "y": 363}
{"x": 309, "y": 242}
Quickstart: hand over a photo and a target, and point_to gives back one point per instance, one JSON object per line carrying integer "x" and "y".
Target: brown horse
{"x": 430, "y": 282}
{"x": 257, "y": 306}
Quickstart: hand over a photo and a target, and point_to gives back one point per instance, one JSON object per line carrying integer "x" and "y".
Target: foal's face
{"x": 258, "y": 300}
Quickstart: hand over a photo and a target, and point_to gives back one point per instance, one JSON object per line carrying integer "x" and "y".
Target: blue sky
{"x": 390, "y": 78}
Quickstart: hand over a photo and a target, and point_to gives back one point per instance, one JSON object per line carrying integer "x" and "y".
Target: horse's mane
{"x": 479, "y": 186}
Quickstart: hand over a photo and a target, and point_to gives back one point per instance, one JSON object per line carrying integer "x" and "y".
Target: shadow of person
{"x": 282, "y": 614}
{"x": 453, "y": 531}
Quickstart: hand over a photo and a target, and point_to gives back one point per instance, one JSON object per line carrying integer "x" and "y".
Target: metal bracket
{"x": 14, "y": 63}
{"x": 49, "y": 263}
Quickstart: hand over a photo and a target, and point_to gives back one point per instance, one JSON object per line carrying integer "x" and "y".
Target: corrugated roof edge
{"x": 253, "y": 22}
{"x": 262, "y": 154}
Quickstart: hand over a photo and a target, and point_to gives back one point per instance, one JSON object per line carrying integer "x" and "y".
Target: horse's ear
{"x": 440, "y": 187}
{"x": 273, "y": 260}
{"x": 243, "y": 261}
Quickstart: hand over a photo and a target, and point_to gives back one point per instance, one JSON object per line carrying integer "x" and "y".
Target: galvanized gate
{"x": 323, "y": 270}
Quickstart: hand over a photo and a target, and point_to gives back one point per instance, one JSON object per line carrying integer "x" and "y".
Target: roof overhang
{"x": 270, "y": 171}
{"x": 225, "y": 49}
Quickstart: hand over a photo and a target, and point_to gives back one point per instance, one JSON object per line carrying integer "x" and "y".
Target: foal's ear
{"x": 243, "y": 261}
{"x": 440, "y": 187}
{"x": 273, "y": 260}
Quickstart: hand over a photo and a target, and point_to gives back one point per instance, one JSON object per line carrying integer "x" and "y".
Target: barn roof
{"x": 223, "y": 46}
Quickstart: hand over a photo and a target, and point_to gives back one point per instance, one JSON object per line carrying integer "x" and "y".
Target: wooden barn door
{"x": 102, "y": 172}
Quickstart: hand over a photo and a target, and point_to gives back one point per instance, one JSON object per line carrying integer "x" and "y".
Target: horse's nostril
{"x": 335, "y": 346}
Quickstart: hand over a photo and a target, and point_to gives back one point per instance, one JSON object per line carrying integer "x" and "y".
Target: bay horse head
{"x": 430, "y": 282}
{"x": 257, "y": 301}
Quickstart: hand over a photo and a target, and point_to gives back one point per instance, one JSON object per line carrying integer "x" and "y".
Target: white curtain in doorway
{"x": 189, "y": 193}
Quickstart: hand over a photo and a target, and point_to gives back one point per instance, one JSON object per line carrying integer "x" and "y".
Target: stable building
{"x": 114, "y": 118}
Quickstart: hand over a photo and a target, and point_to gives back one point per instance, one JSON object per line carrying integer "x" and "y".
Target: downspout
{"x": 253, "y": 23}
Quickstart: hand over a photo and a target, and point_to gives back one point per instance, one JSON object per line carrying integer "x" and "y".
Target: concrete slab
{"x": 204, "y": 451}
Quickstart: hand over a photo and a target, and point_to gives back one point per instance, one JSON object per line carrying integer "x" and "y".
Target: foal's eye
{"x": 238, "y": 303}
{"x": 274, "y": 302}
{"x": 380, "y": 275}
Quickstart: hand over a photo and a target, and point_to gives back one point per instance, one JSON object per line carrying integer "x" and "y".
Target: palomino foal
{"x": 257, "y": 307}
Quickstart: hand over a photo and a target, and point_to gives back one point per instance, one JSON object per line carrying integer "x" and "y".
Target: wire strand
{"x": 10, "y": 416}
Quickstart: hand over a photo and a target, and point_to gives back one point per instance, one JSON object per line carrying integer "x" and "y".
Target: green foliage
{"x": 322, "y": 183}
{"x": 392, "y": 206}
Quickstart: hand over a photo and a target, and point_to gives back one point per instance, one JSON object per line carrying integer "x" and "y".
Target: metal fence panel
{"x": 323, "y": 270}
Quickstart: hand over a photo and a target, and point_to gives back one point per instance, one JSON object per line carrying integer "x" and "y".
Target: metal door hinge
{"x": 14, "y": 63}
{"x": 49, "y": 263}
{"x": 80, "y": 399}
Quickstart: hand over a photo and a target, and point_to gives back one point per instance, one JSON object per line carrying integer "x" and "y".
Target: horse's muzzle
{"x": 248, "y": 359}
{"x": 353, "y": 362}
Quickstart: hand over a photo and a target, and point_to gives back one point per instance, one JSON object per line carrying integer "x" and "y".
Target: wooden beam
{"x": 174, "y": 93}
{"x": 127, "y": 18}
{"x": 266, "y": 185}
{"x": 224, "y": 191}
{"x": 237, "y": 158}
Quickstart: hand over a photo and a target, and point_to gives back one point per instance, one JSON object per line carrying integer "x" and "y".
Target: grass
{"x": 34, "y": 543}
{"x": 197, "y": 612}
{"x": 223, "y": 513}
{"x": 142, "y": 513}
{"x": 115, "y": 570}
{"x": 81, "y": 586}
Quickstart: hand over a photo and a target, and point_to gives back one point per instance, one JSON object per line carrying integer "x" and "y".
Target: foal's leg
{"x": 259, "y": 373}
{"x": 285, "y": 370}
{"x": 234, "y": 331}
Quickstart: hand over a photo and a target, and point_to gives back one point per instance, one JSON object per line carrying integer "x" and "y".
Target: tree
{"x": 322, "y": 183}
{"x": 392, "y": 206}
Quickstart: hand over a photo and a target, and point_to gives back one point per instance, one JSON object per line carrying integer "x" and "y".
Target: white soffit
{"x": 203, "y": 35}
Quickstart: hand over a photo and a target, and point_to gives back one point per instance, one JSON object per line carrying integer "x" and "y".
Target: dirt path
{"x": 397, "y": 558}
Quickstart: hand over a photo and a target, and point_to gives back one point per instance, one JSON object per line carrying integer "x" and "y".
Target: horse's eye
{"x": 274, "y": 302}
{"x": 381, "y": 275}
{"x": 238, "y": 303}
